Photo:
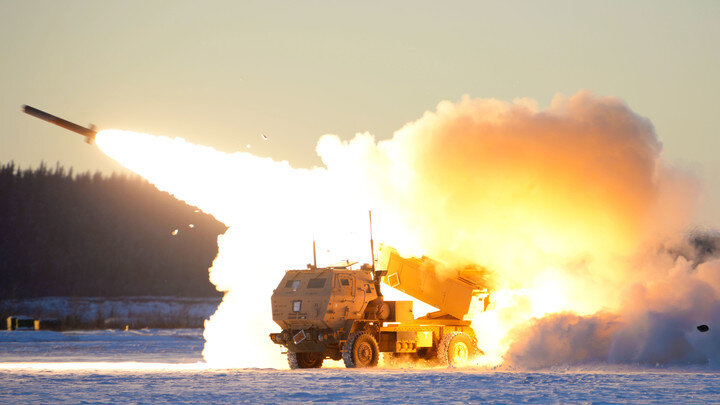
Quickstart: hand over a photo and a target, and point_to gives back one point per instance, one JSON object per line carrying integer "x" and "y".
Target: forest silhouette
{"x": 95, "y": 235}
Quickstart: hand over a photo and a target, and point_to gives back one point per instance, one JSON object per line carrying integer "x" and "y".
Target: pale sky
{"x": 221, "y": 73}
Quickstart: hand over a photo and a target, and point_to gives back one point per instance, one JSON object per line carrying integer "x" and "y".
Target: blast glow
{"x": 557, "y": 203}
{"x": 272, "y": 210}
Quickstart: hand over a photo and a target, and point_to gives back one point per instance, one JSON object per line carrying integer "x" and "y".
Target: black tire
{"x": 456, "y": 348}
{"x": 305, "y": 360}
{"x": 361, "y": 351}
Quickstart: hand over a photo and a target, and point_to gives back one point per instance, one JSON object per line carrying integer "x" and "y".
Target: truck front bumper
{"x": 302, "y": 341}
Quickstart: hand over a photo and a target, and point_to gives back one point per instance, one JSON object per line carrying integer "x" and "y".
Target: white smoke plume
{"x": 566, "y": 206}
{"x": 272, "y": 211}
{"x": 656, "y": 323}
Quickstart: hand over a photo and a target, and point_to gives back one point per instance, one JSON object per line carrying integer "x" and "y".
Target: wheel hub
{"x": 364, "y": 353}
{"x": 460, "y": 352}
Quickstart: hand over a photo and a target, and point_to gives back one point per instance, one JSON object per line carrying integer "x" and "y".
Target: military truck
{"x": 339, "y": 313}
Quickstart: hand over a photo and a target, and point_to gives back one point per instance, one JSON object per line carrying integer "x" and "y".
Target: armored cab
{"x": 316, "y": 308}
{"x": 321, "y": 298}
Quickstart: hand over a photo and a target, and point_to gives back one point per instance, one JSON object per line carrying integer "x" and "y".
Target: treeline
{"x": 90, "y": 235}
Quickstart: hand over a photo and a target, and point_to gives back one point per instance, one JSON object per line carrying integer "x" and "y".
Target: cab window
{"x": 294, "y": 284}
{"x": 316, "y": 283}
{"x": 345, "y": 285}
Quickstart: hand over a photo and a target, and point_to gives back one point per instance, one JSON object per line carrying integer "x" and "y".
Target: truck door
{"x": 345, "y": 287}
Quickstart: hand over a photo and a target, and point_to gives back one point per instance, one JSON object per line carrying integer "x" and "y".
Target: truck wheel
{"x": 305, "y": 360}
{"x": 455, "y": 349}
{"x": 360, "y": 351}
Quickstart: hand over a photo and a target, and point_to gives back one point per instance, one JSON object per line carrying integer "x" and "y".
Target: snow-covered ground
{"x": 156, "y": 366}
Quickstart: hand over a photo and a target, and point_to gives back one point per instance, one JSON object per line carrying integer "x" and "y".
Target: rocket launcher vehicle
{"x": 340, "y": 313}
{"x": 88, "y": 133}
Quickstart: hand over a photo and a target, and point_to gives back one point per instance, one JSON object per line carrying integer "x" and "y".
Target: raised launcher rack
{"x": 458, "y": 293}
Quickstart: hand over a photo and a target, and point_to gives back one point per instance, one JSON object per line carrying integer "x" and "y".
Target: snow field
{"x": 164, "y": 366}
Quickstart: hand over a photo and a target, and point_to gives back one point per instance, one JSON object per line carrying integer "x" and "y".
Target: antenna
{"x": 372, "y": 247}
{"x": 376, "y": 274}
{"x": 314, "y": 254}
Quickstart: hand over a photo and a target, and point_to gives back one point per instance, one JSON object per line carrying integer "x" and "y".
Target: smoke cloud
{"x": 570, "y": 207}
{"x": 656, "y": 324}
